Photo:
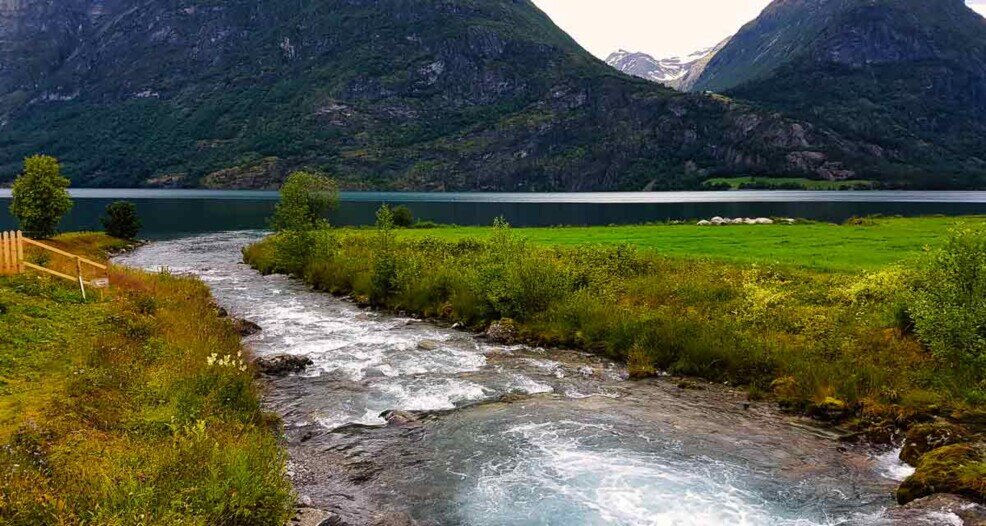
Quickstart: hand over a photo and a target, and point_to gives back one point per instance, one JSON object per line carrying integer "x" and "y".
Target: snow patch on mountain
{"x": 665, "y": 71}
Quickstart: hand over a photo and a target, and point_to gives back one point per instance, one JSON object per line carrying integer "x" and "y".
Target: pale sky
{"x": 663, "y": 28}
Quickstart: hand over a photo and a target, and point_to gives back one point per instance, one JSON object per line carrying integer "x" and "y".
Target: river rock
{"x": 586, "y": 371}
{"x": 245, "y": 327}
{"x": 503, "y": 331}
{"x": 955, "y": 469}
{"x": 936, "y": 509}
{"x": 399, "y": 418}
{"x": 922, "y": 438}
{"x": 830, "y": 409}
{"x": 428, "y": 345}
{"x": 282, "y": 364}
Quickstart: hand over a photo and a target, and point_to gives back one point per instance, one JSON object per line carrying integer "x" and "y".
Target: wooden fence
{"x": 12, "y": 260}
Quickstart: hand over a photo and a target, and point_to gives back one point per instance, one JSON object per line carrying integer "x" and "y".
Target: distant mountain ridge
{"x": 668, "y": 71}
{"x": 680, "y": 73}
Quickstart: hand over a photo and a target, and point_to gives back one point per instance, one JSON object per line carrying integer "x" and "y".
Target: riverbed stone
{"x": 503, "y": 331}
{"x": 246, "y": 327}
{"x": 922, "y": 438}
{"x": 282, "y": 364}
{"x": 399, "y": 418}
{"x": 959, "y": 469}
{"x": 928, "y": 510}
{"x": 830, "y": 409}
{"x": 428, "y": 345}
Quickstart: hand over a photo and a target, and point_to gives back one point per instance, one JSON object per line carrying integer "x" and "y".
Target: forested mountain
{"x": 424, "y": 94}
{"x": 905, "y": 77}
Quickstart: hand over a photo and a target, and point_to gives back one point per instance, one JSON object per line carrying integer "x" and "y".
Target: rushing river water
{"x": 173, "y": 213}
{"x": 513, "y": 435}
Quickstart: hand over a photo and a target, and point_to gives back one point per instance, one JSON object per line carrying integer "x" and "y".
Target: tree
{"x": 40, "y": 198}
{"x": 305, "y": 199}
{"x": 121, "y": 220}
{"x": 403, "y": 217}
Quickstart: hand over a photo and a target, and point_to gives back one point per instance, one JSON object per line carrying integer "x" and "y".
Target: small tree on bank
{"x": 403, "y": 217}
{"x": 40, "y": 198}
{"x": 121, "y": 220}
{"x": 305, "y": 199}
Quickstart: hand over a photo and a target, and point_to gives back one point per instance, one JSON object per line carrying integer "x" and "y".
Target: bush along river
{"x": 401, "y": 421}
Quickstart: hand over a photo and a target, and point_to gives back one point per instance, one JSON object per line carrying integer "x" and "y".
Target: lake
{"x": 172, "y": 213}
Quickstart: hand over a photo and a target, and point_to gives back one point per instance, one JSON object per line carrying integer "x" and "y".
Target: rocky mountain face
{"x": 395, "y": 94}
{"x": 905, "y": 77}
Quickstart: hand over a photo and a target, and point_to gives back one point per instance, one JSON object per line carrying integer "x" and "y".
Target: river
{"x": 172, "y": 213}
{"x": 515, "y": 435}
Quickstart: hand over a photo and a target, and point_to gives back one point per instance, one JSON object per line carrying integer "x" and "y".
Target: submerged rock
{"x": 936, "y": 510}
{"x": 428, "y": 345}
{"x": 245, "y": 327}
{"x": 282, "y": 364}
{"x": 959, "y": 469}
{"x": 922, "y": 438}
{"x": 399, "y": 418}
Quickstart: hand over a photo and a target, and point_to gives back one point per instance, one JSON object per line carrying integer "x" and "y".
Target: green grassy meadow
{"x": 825, "y": 246}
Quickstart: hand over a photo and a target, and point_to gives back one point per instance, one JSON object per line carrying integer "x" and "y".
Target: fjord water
{"x": 514, "y": 435}
{"x": 171, "y": 213}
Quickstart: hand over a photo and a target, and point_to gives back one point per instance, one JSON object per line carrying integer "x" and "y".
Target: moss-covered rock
{"x": 830, "y": 409}
{"x": 922, "y": 438}
{"x": 959, "y": 469}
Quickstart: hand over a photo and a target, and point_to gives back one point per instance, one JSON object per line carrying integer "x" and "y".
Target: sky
{"x": 663, "y": 28}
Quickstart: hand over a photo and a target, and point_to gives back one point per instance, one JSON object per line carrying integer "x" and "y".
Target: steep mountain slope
{"x": 906, "y": 77}
{"x": 426, "y": 94}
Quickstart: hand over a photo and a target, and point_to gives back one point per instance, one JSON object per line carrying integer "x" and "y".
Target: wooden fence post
{"x": 20, "y": 251}
{"x": 78, "y": 272}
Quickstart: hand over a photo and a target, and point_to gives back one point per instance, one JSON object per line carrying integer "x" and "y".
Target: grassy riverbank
{"x": 869, "y": 244}
{"x": 832, "y": 344}
{"x": 134, "y": 407}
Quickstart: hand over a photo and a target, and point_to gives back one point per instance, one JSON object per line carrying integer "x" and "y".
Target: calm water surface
{"x": 172, "y": 213}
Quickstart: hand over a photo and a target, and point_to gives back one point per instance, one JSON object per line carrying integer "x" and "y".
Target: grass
{"x": 820, "y": 342}
{"x": 738, "y": 183}
{"x": 870, "y": 245}
{"x": 121, "y": 410}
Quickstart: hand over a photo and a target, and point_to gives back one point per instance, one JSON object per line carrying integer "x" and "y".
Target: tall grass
{"x": 807, "y": 336}
{"x": 137, "y": 408}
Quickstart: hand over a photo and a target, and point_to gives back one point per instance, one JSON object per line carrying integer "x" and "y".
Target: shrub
{"x": 949, "y": 304}
{"x": 121, "y": 220}
{"x": 305, "y": 199}
{"x": 40, "y": 198}
{"x": 403, "y": 217}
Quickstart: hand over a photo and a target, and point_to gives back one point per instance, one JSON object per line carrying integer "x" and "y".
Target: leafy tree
{"x": 40, "y": 198}
{"x": 305, "y": 199}
{"x": 949, "y": 306}
{"x": 121, "y": 220}
{"x": 403, "y": 217}
{"x": 384, "y": 278}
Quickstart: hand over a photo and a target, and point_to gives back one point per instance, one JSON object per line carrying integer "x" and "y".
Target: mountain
{"x": 668, "y": 71}
{"x": 383, "y": 94}
{"x": 679, "y": 73}
{"x": 906, "y": 78}
{"x": 429, "y": 94}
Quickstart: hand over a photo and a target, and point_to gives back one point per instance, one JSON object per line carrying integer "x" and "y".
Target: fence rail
{"x": 12, "y": 260}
